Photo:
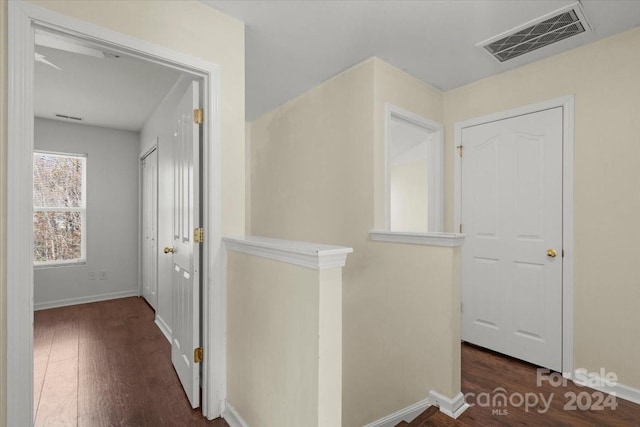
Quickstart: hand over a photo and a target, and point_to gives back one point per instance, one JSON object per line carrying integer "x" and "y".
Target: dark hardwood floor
{"x": 107, "y": 364}
{"x": 484, "y": 371}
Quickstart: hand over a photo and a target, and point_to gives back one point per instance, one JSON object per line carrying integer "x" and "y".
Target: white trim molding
{"x": 23, "y": 18}
{"x": 567, "y": 105}
{"x": 429, "y": 239}
{"x": 452, "y": 407}
{"x": 304, "y": 254}
{"x": 598, "y": 383}
{"x": 407, "y": 414}
{"x": 85, "y": 300}
{"x": 164, "y": 328}
{"x": 232, "y": 417}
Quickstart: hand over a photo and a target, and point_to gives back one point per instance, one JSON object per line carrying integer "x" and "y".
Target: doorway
{"x": 515, "y": 300}
{"x": 23, "y": 19}
{"x": 102, "y": 183}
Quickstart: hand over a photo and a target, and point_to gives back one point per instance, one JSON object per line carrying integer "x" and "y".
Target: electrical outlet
{"x": 103, "y": 274}
{"x": 92, "y": 275}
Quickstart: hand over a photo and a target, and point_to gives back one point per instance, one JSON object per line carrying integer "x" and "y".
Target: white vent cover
{"x": 67, "y": 117}
{"x": 543, "y": 31}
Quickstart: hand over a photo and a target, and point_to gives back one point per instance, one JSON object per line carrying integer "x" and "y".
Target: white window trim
{"x": 435, "y": 160}
{"x": 83, "y": 213}
{"x": 427, "y": 239}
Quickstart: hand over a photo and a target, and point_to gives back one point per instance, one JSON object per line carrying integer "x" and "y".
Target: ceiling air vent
{"x": 553, "y": 27}
{"x": 64, "y": 116}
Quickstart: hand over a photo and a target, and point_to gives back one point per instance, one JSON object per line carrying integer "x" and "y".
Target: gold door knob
{"x": 552, "y": 253}
{"x": 169, "y": 250}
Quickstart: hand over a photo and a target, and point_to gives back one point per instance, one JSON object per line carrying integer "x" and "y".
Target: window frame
{"x": 435, "y": 166}
{"x": 81, "y": 209}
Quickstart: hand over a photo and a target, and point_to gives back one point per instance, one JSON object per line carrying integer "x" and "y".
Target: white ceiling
{"x": 118, "y": 93}
{"x": 292, "y": 46}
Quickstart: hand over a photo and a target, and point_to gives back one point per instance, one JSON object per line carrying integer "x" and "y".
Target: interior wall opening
{"x": 111, "y": 109}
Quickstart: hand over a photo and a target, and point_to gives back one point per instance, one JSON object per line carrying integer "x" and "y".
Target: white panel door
{"x": 512, "y": 216}
{"x": 150, "y": 228}
{"x": 186, "y": 253}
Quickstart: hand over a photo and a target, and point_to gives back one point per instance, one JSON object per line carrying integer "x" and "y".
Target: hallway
{"x": 106, "y": 364}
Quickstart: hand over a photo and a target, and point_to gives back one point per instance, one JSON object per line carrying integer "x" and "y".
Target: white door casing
{"x": 511, "y": 211}
{"x": 186, "y": 252}
{"x": 149, "y": 166}
{"x": 23, "y": 17}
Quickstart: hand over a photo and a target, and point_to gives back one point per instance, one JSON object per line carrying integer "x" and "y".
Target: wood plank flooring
{"x": 484, "y": 371}
{"x": 107, "y": 364}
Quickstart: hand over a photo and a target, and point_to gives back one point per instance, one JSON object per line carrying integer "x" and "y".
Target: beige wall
{"x": 272, "y": 313}
{"x": 408, "y": 188}
{"x": 283, "y": 362}
{"x": 605, "y": 79}
{"x": 211, "y": 36}
{"x": 312, "y": 178}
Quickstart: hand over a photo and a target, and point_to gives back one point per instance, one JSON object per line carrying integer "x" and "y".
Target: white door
{"x": 150, "y": 228}
{"x": 186, "y": 253}
{"x": 512, "y": 257}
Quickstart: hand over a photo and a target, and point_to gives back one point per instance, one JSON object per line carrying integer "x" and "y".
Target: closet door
{"x": 150, "y": 228}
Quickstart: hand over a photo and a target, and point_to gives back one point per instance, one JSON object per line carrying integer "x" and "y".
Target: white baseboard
{"x": 407, "y": 414}
{"x": 162, "y": 325}
{"x": 232, "y": 417}
{"x": 84, "y": 300}
{"x": 622, "y": 391}
{"x": 452, "y": 407}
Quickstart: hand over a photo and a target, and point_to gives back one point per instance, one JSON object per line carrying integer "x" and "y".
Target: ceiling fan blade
{"x": 41, "y": 58}
{"x": 54, "y": 41}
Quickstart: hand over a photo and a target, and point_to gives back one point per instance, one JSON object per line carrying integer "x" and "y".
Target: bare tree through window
{"x": 59, "y": 207}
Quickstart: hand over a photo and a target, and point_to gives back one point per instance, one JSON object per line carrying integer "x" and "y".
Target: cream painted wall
{"x": 3, "y": 209}
{"x": 247, "y": 177}
{"x": 272, "y": 314}
{"x": 282, "y": 371}
{"x": 409, "y": 187}
{"x": 209, "y": 35}
{"x": 312, "y": 178}
{"x": 605, "y": 79}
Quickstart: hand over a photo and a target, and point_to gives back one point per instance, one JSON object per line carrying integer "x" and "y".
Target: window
{"x": 414, "y": 183}
{"x": 59, "y": 208}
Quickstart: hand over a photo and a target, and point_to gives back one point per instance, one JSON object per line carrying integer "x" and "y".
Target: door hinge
{"x": 460, "y": 150}
{"x": 198, "y": 116}
{"x": 198, "y": 235}
{"x": 197, "y": 355}
{"x": 460, "y": 228}
{"x": 562, "y": 253}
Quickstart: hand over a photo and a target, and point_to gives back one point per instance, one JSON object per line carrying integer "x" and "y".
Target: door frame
{"x": 23, "y": 17}
{"x": 567, "y": 105}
